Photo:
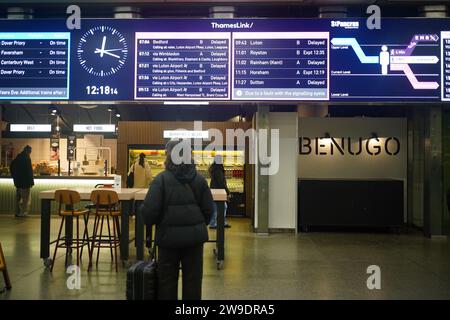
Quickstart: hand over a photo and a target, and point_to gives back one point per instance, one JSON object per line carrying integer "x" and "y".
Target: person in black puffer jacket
{"x": 180, "y": 203}
{"x": 218, "y": 181}
{"x": 22, "y": 174}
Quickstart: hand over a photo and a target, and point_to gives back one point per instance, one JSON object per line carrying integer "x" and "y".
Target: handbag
{"x": 130, "y": 178}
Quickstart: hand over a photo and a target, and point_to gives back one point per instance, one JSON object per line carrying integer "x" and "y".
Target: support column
{"x": 333, "y": 12}
{"x": 433, "y": 11}
{"x": 262, "y": 186}
{"x": 433, "y": 192}
{"x": 127, "y": 12}
{"x": 222, "y": 12}
{"x": 18, "y": 13}
{"x": 416, "y": 166}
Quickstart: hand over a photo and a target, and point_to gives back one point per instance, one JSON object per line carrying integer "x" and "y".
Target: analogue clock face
{"x": 102, "y": 51}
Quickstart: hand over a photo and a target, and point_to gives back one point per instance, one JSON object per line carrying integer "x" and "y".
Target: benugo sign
{"x": 373, "y": 146}
{"x": 352, "y": 148}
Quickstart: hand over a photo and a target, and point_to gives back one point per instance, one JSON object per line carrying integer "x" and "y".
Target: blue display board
{"x": 261, "y": 60}
{"x": 34, "y": 65}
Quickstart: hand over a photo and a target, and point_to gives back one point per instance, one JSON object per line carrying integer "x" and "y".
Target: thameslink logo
{"x": 233, "y": 25}
{"x": 345, "y": 24}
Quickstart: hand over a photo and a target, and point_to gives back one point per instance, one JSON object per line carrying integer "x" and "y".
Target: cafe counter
{"x": 42, "y": 183}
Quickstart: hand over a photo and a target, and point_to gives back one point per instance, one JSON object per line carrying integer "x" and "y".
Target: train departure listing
{"x": 182, "y": 66}
{"x": 280, "y": 66}
{"x": 34, "y": 65}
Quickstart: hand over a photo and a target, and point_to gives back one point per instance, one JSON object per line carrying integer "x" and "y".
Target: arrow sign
{"x": 416, "y": 84}
{"x": 415, "y": 59}
{"x": 356, "y": 47}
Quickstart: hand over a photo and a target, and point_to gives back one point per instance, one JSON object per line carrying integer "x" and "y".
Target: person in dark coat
{"x": 22, "y": 174}
{"x": 218, "y": 181}
{"x": 179, "y": 202}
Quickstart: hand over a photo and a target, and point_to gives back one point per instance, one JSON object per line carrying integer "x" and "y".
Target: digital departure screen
{"x": 34, "y": 65}
{"x": 280, "y": 66}
{"x": 171, "y": 65}
{"x": 256, "y": 60}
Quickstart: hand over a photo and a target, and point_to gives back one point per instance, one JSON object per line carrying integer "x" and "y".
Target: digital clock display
{"x": 102, "y": 90}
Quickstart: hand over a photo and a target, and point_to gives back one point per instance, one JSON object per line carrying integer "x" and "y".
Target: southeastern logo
{"x": 345, "y": 24}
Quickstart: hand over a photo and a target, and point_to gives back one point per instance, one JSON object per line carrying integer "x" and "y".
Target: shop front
{"x": 149, "y": 138}
{"x": 352, "y": 172}
{"x": 82, "y": 161}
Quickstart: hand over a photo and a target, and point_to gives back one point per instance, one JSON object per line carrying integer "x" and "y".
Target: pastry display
{"x": 233, "y": 162}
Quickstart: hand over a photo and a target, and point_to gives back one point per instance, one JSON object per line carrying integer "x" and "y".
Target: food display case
{"x": 234, "y": 161}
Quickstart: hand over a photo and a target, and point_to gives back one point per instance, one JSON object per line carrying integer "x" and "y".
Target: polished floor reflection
{"x": 281, "y": 266}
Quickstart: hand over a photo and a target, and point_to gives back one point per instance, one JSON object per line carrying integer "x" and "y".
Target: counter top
{"x": 85, "y": 193}
{"x": 68, "y": 177}
{"x": 218, "y": 194}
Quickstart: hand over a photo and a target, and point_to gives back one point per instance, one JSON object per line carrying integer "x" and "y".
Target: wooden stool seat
{"x": 110, "y": 213}
{"x": 68, "y": 199}
{"x": 4, "y": 269}
{"x": 78, "y": 212}
{"x": 107, "y": 205}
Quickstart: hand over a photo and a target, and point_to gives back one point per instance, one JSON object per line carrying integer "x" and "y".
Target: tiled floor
{"x": 281, "y": 266}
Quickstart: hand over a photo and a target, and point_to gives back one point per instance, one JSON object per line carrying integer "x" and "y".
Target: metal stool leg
{"x": 57, "y": 243}
{"x": 115, "y": 243}
{"x": 100, "y": 241}
{"x": 85, "y": 236}
{"x": 110, "y": 239}
{"x": 78, "y": 241}
{"x": 94, "y": 235}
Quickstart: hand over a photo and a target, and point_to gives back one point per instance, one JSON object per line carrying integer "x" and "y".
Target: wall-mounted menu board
{"x": 336, "y": 60}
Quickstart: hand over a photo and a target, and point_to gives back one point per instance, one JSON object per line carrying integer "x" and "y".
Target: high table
{"x": 126, "y": 197}
{"x": 219, "y": 196}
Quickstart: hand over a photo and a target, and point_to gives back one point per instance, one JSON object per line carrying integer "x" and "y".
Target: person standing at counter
{"x": 180, "y": 203}
{"x": 218, "y": 181}
{"x": 142, "y": 172}
{"x": 22, "y": 174}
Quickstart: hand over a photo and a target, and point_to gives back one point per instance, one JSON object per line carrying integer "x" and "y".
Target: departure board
{"x": 34, "y": 65}
{"x": 334, "y": 60}
{"x": 280, "y": 66}
{"x": 184, "y": 66}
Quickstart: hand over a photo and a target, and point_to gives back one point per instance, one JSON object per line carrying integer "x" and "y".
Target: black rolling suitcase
{"x": 142, "y": 280}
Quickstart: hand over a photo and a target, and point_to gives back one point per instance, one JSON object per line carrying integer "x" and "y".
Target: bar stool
{"x": 106, "y": 205}
{"x": 69, "y": 199}
{"x": 4, "y": 270}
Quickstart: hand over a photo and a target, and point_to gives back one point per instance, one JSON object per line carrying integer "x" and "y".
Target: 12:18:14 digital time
{"x": 101, "y": 90}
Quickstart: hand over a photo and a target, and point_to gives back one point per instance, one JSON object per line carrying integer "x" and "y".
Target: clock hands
{"x": 102, "y": 51}
{"x": 107, "y": 52}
